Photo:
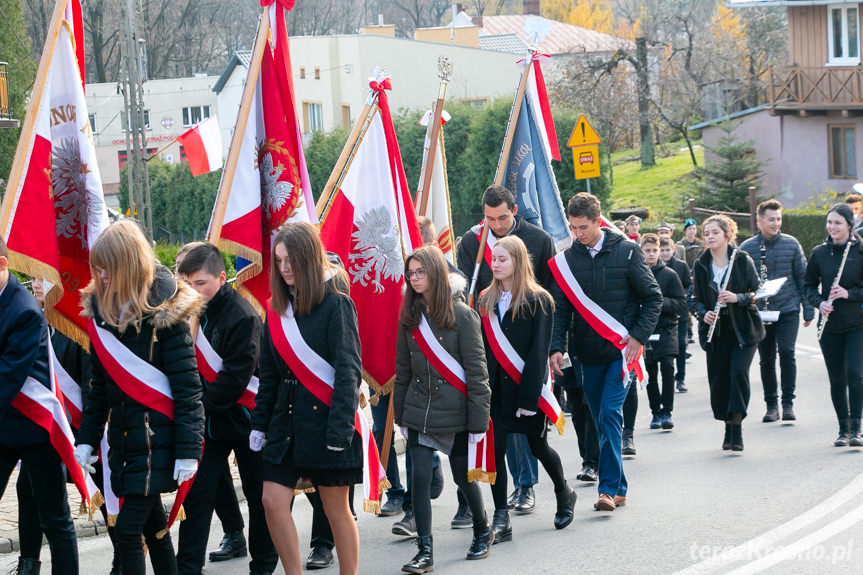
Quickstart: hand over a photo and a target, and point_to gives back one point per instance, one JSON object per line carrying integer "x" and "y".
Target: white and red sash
{"x": 210, "y": 364}
{"x": 513, "y": 365}
{"x": 318, "y": 376}
{"x": 599, "y": 319}
{"x": 142, "y": 382}
{"x": 489, "y": 242}
{"x": 480, "y": 456}
{"x": 70, "y": 390}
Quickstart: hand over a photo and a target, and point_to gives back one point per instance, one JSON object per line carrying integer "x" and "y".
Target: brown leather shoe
{"x": 619, "y": 500}
{"x": 605, "y": 503}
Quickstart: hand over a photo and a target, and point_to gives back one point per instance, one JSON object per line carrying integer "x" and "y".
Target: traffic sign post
{"x": 584, "y": 142}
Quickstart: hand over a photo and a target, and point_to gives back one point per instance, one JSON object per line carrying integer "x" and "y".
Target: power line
{"x": 20, "y": 41}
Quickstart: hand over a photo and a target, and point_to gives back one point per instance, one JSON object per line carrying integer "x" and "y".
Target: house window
{"x": 92, "y": 118}
{"x": 123, "y": 121}
{"x": 346, "y": 115}
{"x": 313, "y": 117}
{"x": 302, "y": 73}
{"x": 195, "y": 114}
{"x": 843, "y": 35}
{"x": 317, "y": 73}
{"x": 843, "y": 159}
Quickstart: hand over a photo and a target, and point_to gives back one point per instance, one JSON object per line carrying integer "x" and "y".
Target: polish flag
{"x": 203, "y": 146}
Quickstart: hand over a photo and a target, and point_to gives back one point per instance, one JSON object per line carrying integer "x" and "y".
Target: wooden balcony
{"x": 6, "y": 120}
{"x": 815, "y": 90}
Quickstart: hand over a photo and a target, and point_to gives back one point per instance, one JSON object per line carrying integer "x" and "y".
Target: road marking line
{"x": 769, "y": 538}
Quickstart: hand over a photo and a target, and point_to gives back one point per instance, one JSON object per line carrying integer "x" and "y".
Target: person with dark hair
{"x": 613, "y": 277}
{"x": 691, "y": 243}
{"x": 665, "y": 230}
{"x": 439, "y": 409}
{"x": 839, "y": 299}
{"x": 777, "y": 255}
{"x": 739, "y": 327}
{"x": 228, "y": 341}
{"x": 854, "y": 200}
{"x": 24, "y": 355}
{"x": 501, "y": 215}
{"x": 668, "y": 256}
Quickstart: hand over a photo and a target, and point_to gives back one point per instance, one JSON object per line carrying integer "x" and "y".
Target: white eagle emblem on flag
{"x": 377, "y": 252}
{"x": 275, "y": 192}
{"x": 74, "y": 203}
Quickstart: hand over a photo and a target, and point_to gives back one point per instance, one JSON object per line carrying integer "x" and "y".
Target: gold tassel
{"x": 372, "y": 506}
{"x": 560, "y": 424}
{"x": 480, "y": 475}
{"x": 181, "y": 514}
{"x": 84, "y": 508}
{"x": 377, "y": 389}
{"x": 298, "y": 491}
{"x": 161, "y": 534}
{"x": 112, "y": 520}
{"x": 383, "y": 484}
{"x": 97, "y": 500}
{"x": 363, "y": 401}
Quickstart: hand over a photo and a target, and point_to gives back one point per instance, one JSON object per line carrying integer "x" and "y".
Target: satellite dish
{"x": 536, "y": 28}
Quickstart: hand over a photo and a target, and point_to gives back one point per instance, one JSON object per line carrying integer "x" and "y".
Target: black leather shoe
{"x": 265, "y": 571}
{"x": 526, "y": 501}
{"x": 501, "y": 526}
{"x": 27, "y": 566}
{"x": 736, "y": 437}
{"x": 320, "y": 558}
{"x": 788, "y": 413}
{"x": 393, "y": 506}
{"x": 233, "y": 545}
{"x": 436, "y": 482}
{"x": 565, "y": 507}
{"x": 423, "y": 561}
{"x": 483, "y": 539}
{"x": 407, "y": 527}
{"x": 681, "y": 387}
{"x": 588, "y": 473}
{"x": 772, "y": 413}
{"x": 463, "y": 518}
{"x": 513, "y": 498}
{"x": 628, "y": 447}
{"x": 726, "y": 442}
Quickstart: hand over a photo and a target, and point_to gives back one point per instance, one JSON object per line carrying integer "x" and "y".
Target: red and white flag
{"x": 438, "y": 206}
{"x": 371, "y": 224}
{"x": 54, "y": 209}
{"x": 203, "y": 146}
{"x": 536, "y": 93}
{"x": 265, "y": 183}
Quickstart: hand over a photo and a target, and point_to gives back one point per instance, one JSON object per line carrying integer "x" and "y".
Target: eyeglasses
{"x": 418, "y": 274}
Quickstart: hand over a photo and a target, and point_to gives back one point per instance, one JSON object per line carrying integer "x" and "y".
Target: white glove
{"x": 331, "y": 448}
{"x": 257, "y": 440}
{"x": 475, "y": 437}
{"x": 404, "y": 431}
{"x": 184, "y": 470}
{"x": 85, "y": 458}
{"x": 523, "y": 412}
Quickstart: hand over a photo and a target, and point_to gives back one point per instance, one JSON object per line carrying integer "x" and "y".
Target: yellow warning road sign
{"x": 586, "y": 160}
{"x": 583, "y": 134}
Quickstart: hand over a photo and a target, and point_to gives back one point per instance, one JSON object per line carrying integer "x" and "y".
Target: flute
{"x": 718, "y": 305}
{"x": 835, "y": 284}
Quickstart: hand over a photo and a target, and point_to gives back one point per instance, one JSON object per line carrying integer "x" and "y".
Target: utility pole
{"x": 136, "y": 125}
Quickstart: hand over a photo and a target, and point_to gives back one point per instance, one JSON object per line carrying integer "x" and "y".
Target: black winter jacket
{"x": 233, "y": 328}
{"x": 820, "y": 272}
{"x": 783, "y": 257}
{"x": 747, "y": 324}
{"x": 673, "y": 304}
{"x": 288, "y": 412}
{"x": 145, "y": 443}
{"x": 620, "y": 282}
{"x": 424, "y": 400}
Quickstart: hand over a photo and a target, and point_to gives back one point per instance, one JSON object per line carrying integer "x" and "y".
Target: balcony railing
{"x": 816, "y": 88}
{"x": 5, "y": 112}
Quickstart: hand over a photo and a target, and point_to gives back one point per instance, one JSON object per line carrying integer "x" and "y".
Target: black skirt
{"x": 285, "y": 473}
{"x": 535, "y": 425}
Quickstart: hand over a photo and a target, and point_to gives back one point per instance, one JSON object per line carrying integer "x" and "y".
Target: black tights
{"x": 421, "y": 475}
{"x": 540, "y": 449}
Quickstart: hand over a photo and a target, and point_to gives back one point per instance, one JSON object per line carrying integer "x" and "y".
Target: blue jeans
{"x": 605, "y": 390}
{"x": 522, "y": 464}
{"x": 379, "y": 422}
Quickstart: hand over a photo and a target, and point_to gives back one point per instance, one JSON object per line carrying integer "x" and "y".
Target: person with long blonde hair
{"x": 524, "y": 311}
{"x": 137, "y": 308}
{"x": 300, "y": 434}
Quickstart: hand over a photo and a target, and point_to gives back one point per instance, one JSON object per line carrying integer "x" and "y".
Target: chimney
{"x": 477, "y": 20}
{"x": 530, "y": 7}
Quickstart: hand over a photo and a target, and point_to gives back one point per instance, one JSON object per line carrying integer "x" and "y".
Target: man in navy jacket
{"x": 23, "y": 355}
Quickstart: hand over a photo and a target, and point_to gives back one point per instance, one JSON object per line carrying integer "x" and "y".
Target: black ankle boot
{"x": 854, "y": 439}
{"x": 483, "y": 539}
{"x": 28, "y": 566}
{"x": 423, "y": 561}
{"x": 736, "y": 437}
{"x": 726, "y": 443}
{"x": 565, "y": 507}
{"x": 501, "y": 526}
{"x": 844, "y": 435}
{"x": 233, "y": 545}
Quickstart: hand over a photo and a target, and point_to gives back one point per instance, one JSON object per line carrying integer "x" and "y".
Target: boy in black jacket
{"x": 662, "y": 347}
{"x": 233, "y": 329}
{"x": 667, "y": 251}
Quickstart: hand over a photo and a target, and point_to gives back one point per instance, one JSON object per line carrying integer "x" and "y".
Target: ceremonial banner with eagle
{"x": 265, "y": 183}
{"x": 54, "y": 209}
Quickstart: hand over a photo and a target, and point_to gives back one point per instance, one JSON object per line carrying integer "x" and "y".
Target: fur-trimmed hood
{"x": 174, "y": 301}
{"x": 457, "y": 285}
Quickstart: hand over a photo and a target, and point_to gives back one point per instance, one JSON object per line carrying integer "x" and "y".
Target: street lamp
{"x": 6, "y": 120}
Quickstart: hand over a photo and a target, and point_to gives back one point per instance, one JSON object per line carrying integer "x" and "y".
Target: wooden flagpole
{"x": 261, "y": 43}
{"x": 26, "y": 138}
{"x": 432, "y": 132}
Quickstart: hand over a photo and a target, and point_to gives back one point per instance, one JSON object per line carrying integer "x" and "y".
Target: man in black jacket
{"x": 233, "y": 329}
{"x": 613, "y": 275}
{"x": 24, "y": 355}
{"x": 501, "y": 215}
{"x": 778, "y": 255}
{"x": 668, "y": 254}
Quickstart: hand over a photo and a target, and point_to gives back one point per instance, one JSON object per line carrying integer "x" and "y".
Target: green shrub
{"x": 806, "y": 226}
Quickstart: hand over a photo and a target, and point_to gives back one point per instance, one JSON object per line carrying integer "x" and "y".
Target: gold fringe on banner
{"x": 480, "y": 475}
{"x": 370, "y": 506}
{"x": 560, "y": 424}
{"x": 181, "y": 516}
{"x": 96, "y": 501}
{"x": 112, "y": 521}
{"x": 377, "y": 389}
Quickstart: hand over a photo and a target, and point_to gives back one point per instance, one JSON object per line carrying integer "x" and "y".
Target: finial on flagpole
{"x": 536, "y": 28}
{"x": 444, "y": 69}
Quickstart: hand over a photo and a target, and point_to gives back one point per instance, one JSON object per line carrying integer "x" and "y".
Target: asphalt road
{"x": 790, "y": 503}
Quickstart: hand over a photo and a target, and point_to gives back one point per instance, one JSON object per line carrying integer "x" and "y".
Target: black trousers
{"x": 144, "y": 515}
{"x": 728, "y": 373}
{"x": 782, "y": 335}
{"x": 630, "y": 405}
{"x": 47, "y": 478}
{"x": 540, "y": 449}
{"x": 682, "y": 345}
{"x": 843, "y": 354}
{"x": 582, "y": 421}
{"x": 227, "y": 507}
{"x": 201, "y": 500}
{"x": 661, "y": 402}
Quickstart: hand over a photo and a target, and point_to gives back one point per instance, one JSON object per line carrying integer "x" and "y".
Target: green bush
{"x": 806, "y": 226}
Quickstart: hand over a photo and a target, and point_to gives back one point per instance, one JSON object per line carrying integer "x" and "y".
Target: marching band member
{"x": 441, "y": 399}
{"x": 227, "y": 344}
{"x": 145, "y": 382}
{"x": 310, "y": 374}
{"x": 839, "y": 298}
{"x": 517, "y": 318}
{"x": 23, "y": 357}
{"x": 736, "y": 336}
{"x": 666, "y": 253}
{"x": 605, "y": 290}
